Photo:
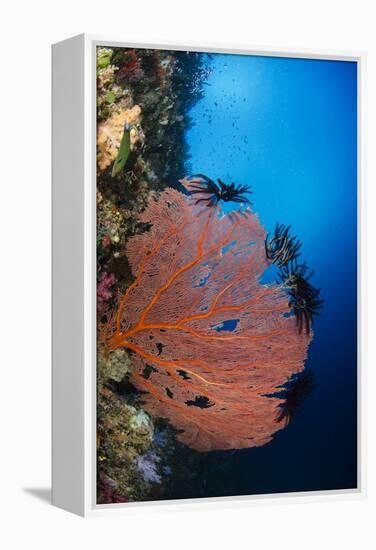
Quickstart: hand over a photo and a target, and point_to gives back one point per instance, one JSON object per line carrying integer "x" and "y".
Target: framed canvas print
{"x": 206, "y": 319}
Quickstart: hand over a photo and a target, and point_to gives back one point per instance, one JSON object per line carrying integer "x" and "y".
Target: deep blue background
{"x": 288, "y": 127}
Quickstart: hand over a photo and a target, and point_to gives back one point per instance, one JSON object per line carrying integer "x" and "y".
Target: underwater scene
{"x": 226, "y": 275}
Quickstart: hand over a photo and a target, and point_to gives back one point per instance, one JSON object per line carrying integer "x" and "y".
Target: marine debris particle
{"x": 222, "y": 402}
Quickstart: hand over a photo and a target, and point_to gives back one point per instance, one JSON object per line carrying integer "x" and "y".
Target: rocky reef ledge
{"x": 143, "y": 103}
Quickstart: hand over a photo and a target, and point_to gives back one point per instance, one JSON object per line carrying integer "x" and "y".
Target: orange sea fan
{"x": 210, "y": 341}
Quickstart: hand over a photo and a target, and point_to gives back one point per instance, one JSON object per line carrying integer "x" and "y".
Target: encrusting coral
{"x": 120, "y": 441}
{"x": 115, "y": 366}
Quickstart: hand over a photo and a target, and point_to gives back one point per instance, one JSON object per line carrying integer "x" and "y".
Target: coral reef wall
{"x": 143, "y": 102}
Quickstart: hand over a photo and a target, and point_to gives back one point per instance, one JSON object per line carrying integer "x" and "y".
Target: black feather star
{"x": 294, "y": 393}
{"x": 282, "y": 248}
{"x": 212, "y": 193}
{"x": 303, "y": 296}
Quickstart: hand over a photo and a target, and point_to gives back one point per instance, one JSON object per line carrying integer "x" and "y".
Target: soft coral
{"x": 104, "y": 294}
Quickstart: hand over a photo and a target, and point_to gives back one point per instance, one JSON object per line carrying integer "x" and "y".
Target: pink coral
{"x": 104, "y": 294}
{"x": 210, "y": 341}
{"x": 106, "y": 241}
{"x": 107, "y": 490}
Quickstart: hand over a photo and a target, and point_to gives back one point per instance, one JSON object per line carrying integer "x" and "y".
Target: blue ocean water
{"x": 288, "y": 127}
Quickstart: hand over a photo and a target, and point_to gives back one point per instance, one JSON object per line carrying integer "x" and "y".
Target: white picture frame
{"x": 74, "y": 278}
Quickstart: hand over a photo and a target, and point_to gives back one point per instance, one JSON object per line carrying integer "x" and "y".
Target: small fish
{"x": 123, "y": 153}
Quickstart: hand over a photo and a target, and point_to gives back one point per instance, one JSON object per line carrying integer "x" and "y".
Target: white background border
{"x": 28, "y": 30}
{"x": 90, "y": 294}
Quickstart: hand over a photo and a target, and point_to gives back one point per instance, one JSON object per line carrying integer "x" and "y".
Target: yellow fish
{"x": 123, "y": 153}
